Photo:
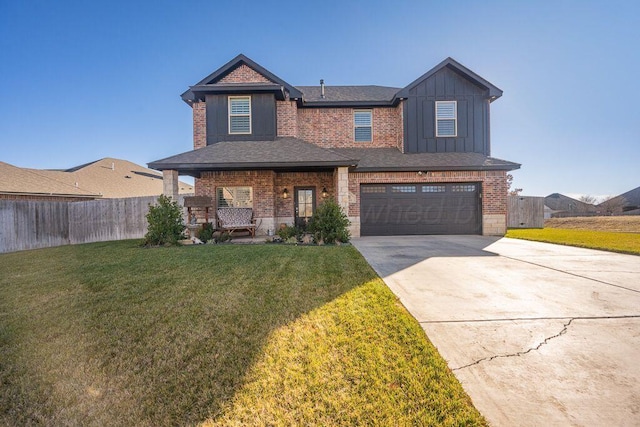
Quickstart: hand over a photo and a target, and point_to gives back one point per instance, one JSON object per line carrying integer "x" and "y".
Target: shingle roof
{"x": 391, "y": 159}
{"x": 17, "y": 180}
{"x": 348, "y": 93}
{"x": 281, "y": 153}
{"x": 113, "y": 178}
{"x": 107, "y": 178}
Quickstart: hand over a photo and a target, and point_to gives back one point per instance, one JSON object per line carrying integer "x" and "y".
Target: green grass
{"x": 112, "y": 334}
{"x": 628, "y": 243}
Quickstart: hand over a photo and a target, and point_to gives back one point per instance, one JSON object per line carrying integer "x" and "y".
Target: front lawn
{"x": 604, "y": 240}
{"x": 112, "y": 334}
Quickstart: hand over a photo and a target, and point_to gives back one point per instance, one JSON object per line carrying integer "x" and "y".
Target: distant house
{"x": 412, "y": 160}
{"x": 625, "y": 204}
{"x": 104, "y": 178}
{"x": 559, "y": 206}
{"x": 26, "y": 184}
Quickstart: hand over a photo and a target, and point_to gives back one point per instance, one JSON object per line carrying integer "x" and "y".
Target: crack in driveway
{"x": 520, "y": 353}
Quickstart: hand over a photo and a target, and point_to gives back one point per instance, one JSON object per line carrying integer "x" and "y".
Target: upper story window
{"x": 239, "y": 114}
{"x": 446, "y": 118}
{"x": 362, "y": 120}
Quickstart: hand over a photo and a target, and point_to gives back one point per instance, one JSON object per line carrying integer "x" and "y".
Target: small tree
{"x": 613, "y": 205}
{"x": 165, "y": 223}
{"x": 586, "y": 198}
{"x": 515, "y": 191}
{"x": 329, "y": 223}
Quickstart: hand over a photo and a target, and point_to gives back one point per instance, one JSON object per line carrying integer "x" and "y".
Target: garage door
{"x": 396, "y": 209}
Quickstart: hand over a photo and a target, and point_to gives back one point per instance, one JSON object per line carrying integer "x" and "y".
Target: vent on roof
{"x": 322, "y": 88}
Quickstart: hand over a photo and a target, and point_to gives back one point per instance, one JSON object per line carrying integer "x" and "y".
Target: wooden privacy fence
{"x": 525, "y": 212}
{"x": 29, "y": 224}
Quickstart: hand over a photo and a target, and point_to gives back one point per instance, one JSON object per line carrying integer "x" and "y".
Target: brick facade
{"x": 494, "y": 186}
{"x": 287, "y": 118}
{"x": 199, "y": 125}
{"x": 333, "y": 127}
{"x": 269, "y": 207}
{"x": 244, "y": 74}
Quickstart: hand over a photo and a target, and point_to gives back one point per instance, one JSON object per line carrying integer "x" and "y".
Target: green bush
{"x": 289, "y": 231}
{"x": 206, "y": 233}
{"x": 165, "y": 223}
{"x": 329, "y": 224}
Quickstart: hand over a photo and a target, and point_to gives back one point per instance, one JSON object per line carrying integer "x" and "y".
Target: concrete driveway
{"x": 537, "y": 334}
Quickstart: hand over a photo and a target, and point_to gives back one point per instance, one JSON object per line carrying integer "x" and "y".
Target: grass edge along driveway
{"x": 112, "y": 334}
{"x": 627, "y": 243}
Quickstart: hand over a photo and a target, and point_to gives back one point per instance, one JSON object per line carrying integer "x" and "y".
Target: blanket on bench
{"x": 232, "y": 219}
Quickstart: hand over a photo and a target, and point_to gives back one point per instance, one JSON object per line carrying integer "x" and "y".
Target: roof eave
{"x": 246, "y": 165}
{"x": 357, "y": 104}
{"x": 436, "y": 168}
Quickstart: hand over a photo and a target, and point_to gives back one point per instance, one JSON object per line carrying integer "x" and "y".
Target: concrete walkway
{"x": 537, "y": 334}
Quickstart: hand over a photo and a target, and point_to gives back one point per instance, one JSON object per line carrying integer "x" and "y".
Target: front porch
{"x": 276, "y": 197}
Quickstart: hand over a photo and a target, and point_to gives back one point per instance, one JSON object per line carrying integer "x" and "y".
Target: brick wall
{"x": 333, "y": 127}
{"x": 494, "y": 186}
{"x": 287, "y": 118}
{"x": 244, "y": 74}
{"x": 290, "y": 180}
{"x": 199, "y": 125}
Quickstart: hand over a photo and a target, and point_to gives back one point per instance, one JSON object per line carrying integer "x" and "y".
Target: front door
{"x": 305, "y": 205}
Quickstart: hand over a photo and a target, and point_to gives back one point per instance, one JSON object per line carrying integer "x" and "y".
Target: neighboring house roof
{"x": 111, "y": 178}
{"x": 629, "y": 200}
{"x": 19, "y": 181}
{"x": 106, "y": 178}
{"x": 452, "y": 64}
{"x": 208, "y": 84}
{"x": 391, "y": 159}
{"x": 348, "y": 95}
{"x": 561, "y": 203}
{"x": 283, "y": 153}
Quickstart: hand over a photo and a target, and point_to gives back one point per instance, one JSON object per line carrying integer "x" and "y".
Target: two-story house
{"x": 412, "y": 160}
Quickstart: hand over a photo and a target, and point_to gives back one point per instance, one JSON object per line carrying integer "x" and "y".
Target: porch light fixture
{"x": 285, "y": 194}
{"x": 325, "y": 193}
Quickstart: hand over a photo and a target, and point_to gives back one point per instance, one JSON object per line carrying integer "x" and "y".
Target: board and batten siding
{"x": 263, "y": 118}
{"x": 525, "y": 212}
{"x": 31, "y": 224}
{"x": 472, "y": 115}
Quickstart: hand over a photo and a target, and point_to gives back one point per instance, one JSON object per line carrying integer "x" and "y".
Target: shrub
{"x": 289, "y": 231}
{"x": 329, "y": 224}
{"x": 225, "y": 236}
{"x": 165, "y": 223}
{"x": 206, "y": 233}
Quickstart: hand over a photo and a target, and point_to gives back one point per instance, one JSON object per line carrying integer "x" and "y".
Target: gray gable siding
{"x": 263, "y": 118}
{"x": 473, "y": 115}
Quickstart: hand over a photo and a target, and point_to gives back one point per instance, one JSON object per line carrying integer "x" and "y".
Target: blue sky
{"x": 82, "y": 80}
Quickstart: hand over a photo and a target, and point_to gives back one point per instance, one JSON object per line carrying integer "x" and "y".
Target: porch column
{"x": 342, "y": 189}
{"x": 170, "y": 184}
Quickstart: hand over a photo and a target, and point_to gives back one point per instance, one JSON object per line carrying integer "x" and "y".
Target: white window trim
{"x": 355, "y": 126}
{"x": 455, "y": 119}
{"x": 239, "y": 115}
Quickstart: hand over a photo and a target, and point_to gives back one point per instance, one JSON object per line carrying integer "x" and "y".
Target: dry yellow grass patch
{"x": 620, "y": 224}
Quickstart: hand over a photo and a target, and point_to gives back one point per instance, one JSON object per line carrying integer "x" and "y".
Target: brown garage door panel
{"x": 396, "y": 209}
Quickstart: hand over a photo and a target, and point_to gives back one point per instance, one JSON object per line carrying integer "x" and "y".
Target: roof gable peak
{"x": 452, "y": 64}
{"x": 258, "y": 74}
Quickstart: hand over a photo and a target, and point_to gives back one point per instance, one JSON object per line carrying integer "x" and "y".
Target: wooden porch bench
{"x": 232, "y": 219}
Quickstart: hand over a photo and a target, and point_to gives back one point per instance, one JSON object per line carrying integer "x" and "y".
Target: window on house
{"x": 362, "y": 125}
{"x": 240, "y": 114}
{"x": 235, "y": 197}
{"x": 446, "y": 118}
